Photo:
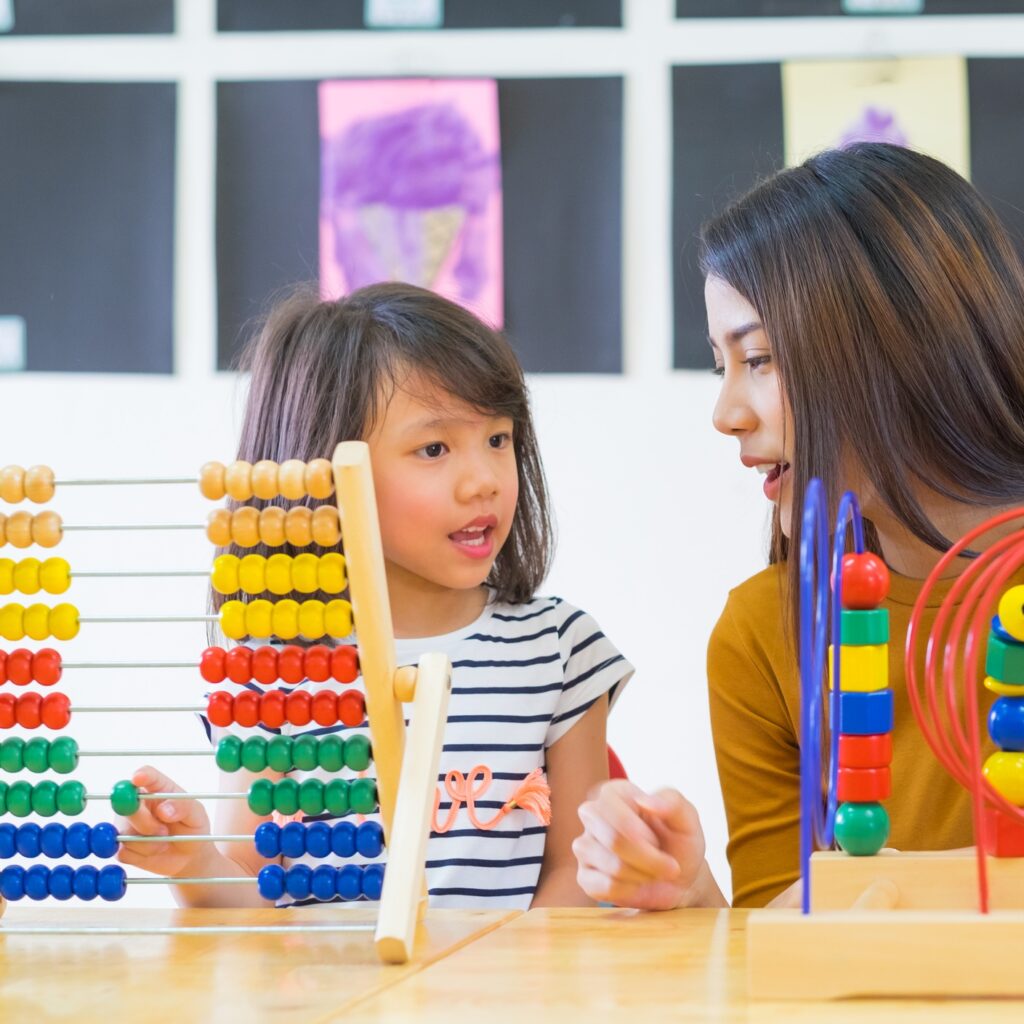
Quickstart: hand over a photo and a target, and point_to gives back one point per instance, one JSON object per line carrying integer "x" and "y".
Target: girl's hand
{"x": 162, "y": 818}
{"x": 643, "y": 850}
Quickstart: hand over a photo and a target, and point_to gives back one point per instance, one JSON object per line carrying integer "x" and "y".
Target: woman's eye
{"x": 718, "y": 371}
{"x": 500, "y": 440}
{"x": 755, "y": 362}
{"x": 433, "y": 451}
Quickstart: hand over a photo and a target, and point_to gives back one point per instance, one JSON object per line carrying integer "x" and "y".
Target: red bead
{"x": 352, "y": 708}
{"x": 865, "y": 581}
{"x": 56, "y": 710}
{"x": 325, "y": 708}
{"x": 344, "y": 664}
{"x": 220, "y": 708}
{"x": 46, "y": 666}
{"x": 264, "y": 665}
{"x": 211, "y": 665}
{"x": 8, "y": 702}
{"x": 1004, "y": 836}
{"x": 238, "y": 664}
{"x": 272, "y": 708}
{"x": 19, "y": 666}
{"x": 864, "y": 785}
{"x": 247, "y": 708}
{"x": 300, "y": 707}
{"x": 29, "y": 711}
{"x": 865, "y": 751}
{"x": 291, "y": 664}
{"x": 317, "y": 663}
{"x": 3, "y": 666}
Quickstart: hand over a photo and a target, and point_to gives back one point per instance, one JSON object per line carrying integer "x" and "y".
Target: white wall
{"x": 657, "y": 519}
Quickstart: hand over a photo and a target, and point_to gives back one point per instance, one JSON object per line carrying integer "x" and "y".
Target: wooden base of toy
{"x": 892, "y": 925}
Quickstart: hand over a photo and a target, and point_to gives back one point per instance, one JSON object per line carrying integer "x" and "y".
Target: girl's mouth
{"x": 474, "y": 541}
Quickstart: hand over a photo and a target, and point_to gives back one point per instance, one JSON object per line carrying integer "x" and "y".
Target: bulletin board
{"x": 86, "y": 17}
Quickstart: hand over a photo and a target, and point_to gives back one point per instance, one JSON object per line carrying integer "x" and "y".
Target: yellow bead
{"x": 286, "y": 619}
{"x": 211, "y": 481}
{"x": 19, "y": 529}
{"x": 338, "y": 618}
{"x": 224, "y": 575}
{"x": 311, "y": 619}
{"x": 862, "y": 669}
{"x": 232, "y": 620}
{"x": 7, "y": 575}
{"x": 304, "y": 574}
{"x": 12, "y": 484}
{"x": 238, "y": 480}
{"x": 279, "y": 575}
{"x": 264, "y": 480}
{"x": 218, "y": 527}
{"x": 1005, "y": 771}
{"x": 272, "y": 526}
{"x": 1003, "y": 689}
{"x": 252, "y": 574}
{"x": 319, "y": 479}
{"x": 37, "y": 621}
{"x": 12, "y": 622}
{"x": 26, "y": 576}
{"x": 47, "y": 529}
{"x": 298, "y": 526}
{"x": 331, "y": 573}
{"x": 1011, "y": 612}
{"x": 291, "y": 478}
{"x": 259, "y": 618}
{"x": 39, "y": 484}
{"x": 64, "y": 621}
{"x": 55, "y": 575}
{"x": 245, "y": 527}
{"x": 326, "y": 526}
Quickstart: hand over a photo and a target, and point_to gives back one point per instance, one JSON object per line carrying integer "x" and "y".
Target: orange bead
{"x": 291, "y": 478}
{"x": 47, "y": 529}
{"x": 211, "y": 481}
{"x": 319, "y": 479}
{"x": 19, "y": 529}
{"x": 218, "y": 527}
{"x": 238, "y": 480}
{"x": 3, "y": 529}
{"x": 245, "y": 527}
{"x": 39, "y": 484}
{"x": 12, "y": 484}
{"x": 272, "y": 520}
{"x": 264, "y": 479}
{"x": 326, "y": 526}
{"x": 298, "y": 526}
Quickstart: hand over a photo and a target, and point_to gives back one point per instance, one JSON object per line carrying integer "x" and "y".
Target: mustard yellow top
{"x": 754, "y": 692}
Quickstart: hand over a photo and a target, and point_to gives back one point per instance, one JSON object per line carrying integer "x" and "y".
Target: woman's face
{"x": 751, "y": 407}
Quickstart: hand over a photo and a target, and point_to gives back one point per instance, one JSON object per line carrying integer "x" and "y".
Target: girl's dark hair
{"x": 893, "y": 301}
{"x": 322, "y": 372}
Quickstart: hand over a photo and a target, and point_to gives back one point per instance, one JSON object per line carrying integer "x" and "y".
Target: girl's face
{"x": 751, "y": 407}
{"x": 447, "y": 485}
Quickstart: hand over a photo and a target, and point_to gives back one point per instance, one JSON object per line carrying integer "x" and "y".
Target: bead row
{"x": 39, "y": 755}
{"x": 268, "y": 664}
{"x": 31, "y": 710}
{"x": 45, "y": 798}
{"x": 279, "y": 574}
{"x": 323, "y": 883}
{"x": 22, "y": 666}
{"x": 286, "y": 619}
{"x": 318, "y": 839}
{"x": 275, "y": 707}
{"x": 38, "y": 621}
{"x": 35, "y": 483}
{"x": 313, "y": 797}
{"x": 298, "y": 526}
{"x": 266, "y": 480}
{"x": 1004, "y": 675}
{"x": 23, "y": 529}
{"x": 56, "y": 840}
{"x": 38, "y": 882}
{"x": 286, "y": 753}
{"x": 29, "y": 576}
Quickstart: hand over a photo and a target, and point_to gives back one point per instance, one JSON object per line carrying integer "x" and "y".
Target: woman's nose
{"x": 733, "y": 413}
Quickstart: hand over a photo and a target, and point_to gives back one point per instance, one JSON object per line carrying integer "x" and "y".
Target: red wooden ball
{"x": 345, "y": 664}
{"x": 264, "y": 665}
{"x": 300, "y": 707}
{"x": 352, "y": 708}
{"x": 29, "y": 711}
{"x": 238, "y": 664}
{"x": 19, "y": 666}
{"x": 325, "y": 708}
{"x": 865, "y": 581}
{"x": 46, "y": 666}
{"x": 220, "y": 708}
{"x": 318, "y": 663}
{"x": 291, "y": 664}
{"x": 56, "y": 711}
{"x": 273, "y": 708}
{"x": 247, "y": 708}
{"x": 8, "y": 703}
{"x": 211, "y": 664}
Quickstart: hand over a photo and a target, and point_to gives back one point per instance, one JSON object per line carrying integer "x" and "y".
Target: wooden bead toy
{"x": 863, "y": 668}
{"x": 1011, "y": 612}
{"x": 865, "y": 581}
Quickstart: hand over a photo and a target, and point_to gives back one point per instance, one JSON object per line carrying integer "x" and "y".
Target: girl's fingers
{"x": 152, "y": 781}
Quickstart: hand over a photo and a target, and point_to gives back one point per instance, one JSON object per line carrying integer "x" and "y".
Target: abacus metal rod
{"x": 140, "y": 572}
{"x": 125, "y": 481}
{"x": 176, "y": 796}
{"x": 151, "y": 618}
{"x": 268, "y": 929}
{"x": 129, "y": 664}
{"x": 138, "y": 526}
{"x": 146, "y": 753}
{"x": 76, "y": 709}
{"x": 185, "y": 839}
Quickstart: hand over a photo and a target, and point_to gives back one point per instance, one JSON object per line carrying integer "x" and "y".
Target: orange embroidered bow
{"x": 533, "y": 794}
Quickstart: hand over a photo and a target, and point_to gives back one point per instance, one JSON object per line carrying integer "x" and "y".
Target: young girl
{"x": 866, "y": 312}
{"x": 441, "y": 401}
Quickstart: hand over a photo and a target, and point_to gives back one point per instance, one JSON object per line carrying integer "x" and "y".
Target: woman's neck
{"x": 420, "y": 608}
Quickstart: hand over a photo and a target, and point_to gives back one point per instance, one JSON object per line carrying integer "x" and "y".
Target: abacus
{"x": 406, "y": 767}
{"x": 880, "y": 922}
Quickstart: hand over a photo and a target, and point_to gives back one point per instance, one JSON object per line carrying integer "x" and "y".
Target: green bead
{"x": 254, "y": 754}
{"x": 3, "y": 797}
{"x": 63, "y": 755}
{"x": 1005, "y": 661}
{"x": 44, "y": 799}
{"x": 229, "y": 754}
{"x": 279, "y": 754}
{"x": 304, "y": 753}
{"x": 363, "y": 796}
{"x": 124, "y": 798}
{"x": 864, "y": 628}
{"x": 330, "y": 753}
{"x": 261, "y": 797}
{"x": 336, "y": 797}
{"x": 357, "y": 752}
{"x": 37, "y": 754}
{"x": 71, "y": 797}
{"x": 19, "y": 799}
{"x": 286, "y": 796}
{"x": 311, "y": 797}
{"x": 12, "y": 754}
{"x": 861, "y": 829}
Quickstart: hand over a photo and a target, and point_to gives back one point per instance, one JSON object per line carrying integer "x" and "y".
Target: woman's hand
{"x": 643, "y": 850}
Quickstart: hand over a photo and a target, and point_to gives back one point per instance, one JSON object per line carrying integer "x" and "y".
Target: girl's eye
{"x": 500, "y": 440}
{"x": 433, "y": 451}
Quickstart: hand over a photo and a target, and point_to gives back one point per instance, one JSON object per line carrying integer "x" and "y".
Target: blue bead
{"x": 298, "y": 881}
{"x": 37, "y": 882}
{"x": 370, "y": 839}
{"x": 12, "y": 882}
{"x": 270, "y": 882}
{"x": 62, "y": 882}
{"x": 86, "y": 882}
{"x": 997, "y": 628}
{"x": 318, "y": 840}
{"x": 268, "y": 840}
{"x": 113, "y": 883}
{"x": 865, "y": 714}
{"x": 1006, "y": 723}
{"x": 349, "y": 883}
{"x": 8, "y": 838}
{"x": 77, "y": 840}
{"x": 103, "y": 840}
{"x": 293, "y": 840}
{"x": 373, "y": 881}
{"x": 323, "y": 882}
{"x": 28, "y": 839}
{"x": 53, "y": 840}
{"x": 343, "y": 839}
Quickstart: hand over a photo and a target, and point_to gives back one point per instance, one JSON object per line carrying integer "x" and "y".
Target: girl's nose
{"x": 733, "y": 413}
{"x": 477, "y": 480}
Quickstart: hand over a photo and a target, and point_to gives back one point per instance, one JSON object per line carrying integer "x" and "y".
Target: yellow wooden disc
{"x": 331, "y": 573}
{"x": 12, "y": 622}
{"x": 279, "y": 576}
{"x": 1011, "y": 612}
{"x": 304, "y": 573}
{"x": 55, "y": 575}
{"x": 64, "y": 623}
{"x": 252, "y": 574}
{"x": 311, "y": 619}
{"x": 1003, "y": 689}
{"x": 259, "y": 618}
{"x": 286, "y": 619}
{"x": 224, "y": 575}
{"x": 37, "y": 621}
{"x": 232, "y": 619}
{"x": 7, "y": 575}
{"x": 26, "y": 576}
{"x": 338, "y": 618}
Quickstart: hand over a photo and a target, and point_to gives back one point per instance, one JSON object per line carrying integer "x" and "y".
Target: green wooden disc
{"x": 861, "y": 628}
{"x": 336, "y": 798}
{"x": 124, "y": 798}
{"x": 1005, "y": 661}
{"x": 12, "y": 754}
{"x": 304, "y": 753}
{"x": 229, "y": 754}
{"x": 71, "y": 797}
{"x": 330, "y": 754}
{"x": 37, "y": 754}
{"x": 44, "y": 798}
{"x": 311, "y": 797}
{"x": 254, "y": 754}
{"x": 358, "y": 755}
{"x": 363, "y": 796}
{"x": 286, "y": 796}
{"x": 19, "y": 799}
{"x": 3, "y": 797}
{"x": 279, "y": 754}
{"x": 63, "y": 755}
{"x": 261, "y": 798}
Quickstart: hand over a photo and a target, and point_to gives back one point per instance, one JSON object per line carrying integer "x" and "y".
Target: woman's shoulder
{"x": 754, "y": 616}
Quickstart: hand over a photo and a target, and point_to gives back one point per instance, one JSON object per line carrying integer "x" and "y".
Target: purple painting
{"x": 874, "y": 125}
